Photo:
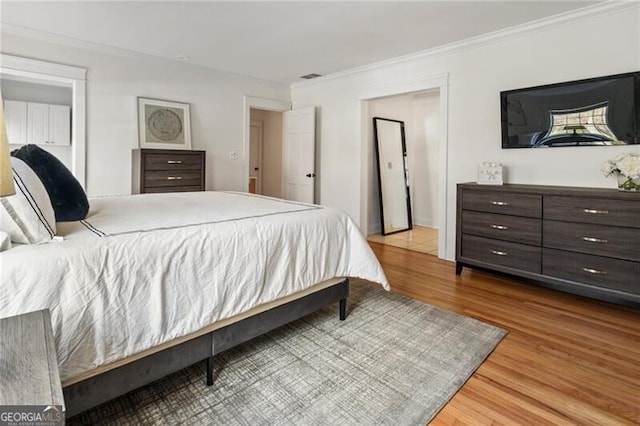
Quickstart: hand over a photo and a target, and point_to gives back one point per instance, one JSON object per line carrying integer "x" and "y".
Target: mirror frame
{"x": 405, "y": 174}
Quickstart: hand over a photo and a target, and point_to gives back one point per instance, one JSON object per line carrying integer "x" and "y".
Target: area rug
{"x": 394, "y": 361}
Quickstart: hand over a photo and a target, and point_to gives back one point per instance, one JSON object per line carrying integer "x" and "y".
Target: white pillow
{"x": 27, "y": 216}
{"x": 5, "y": 241}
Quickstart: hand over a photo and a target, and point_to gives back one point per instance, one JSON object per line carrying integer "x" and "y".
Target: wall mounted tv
{"x": 593, "y": 112}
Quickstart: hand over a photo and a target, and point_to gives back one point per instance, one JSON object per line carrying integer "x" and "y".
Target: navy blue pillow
{"x": 68, "y": 199}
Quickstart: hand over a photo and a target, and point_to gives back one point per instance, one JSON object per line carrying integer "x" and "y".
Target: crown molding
{"x": 92, "y": 46}
{"x": 600, "y": 9}
{"x": 53, "y": 38}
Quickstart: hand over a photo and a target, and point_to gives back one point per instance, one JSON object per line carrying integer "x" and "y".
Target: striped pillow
{"x": 27, "y": 216}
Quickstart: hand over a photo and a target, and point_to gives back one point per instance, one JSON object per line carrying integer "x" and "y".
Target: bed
{"x": 149, "y": 284}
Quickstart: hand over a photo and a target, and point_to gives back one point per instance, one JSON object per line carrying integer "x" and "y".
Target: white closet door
{"x": 59, "y": 124}
{"x": 38, "y": 123}
{"x": 15, "y": 114}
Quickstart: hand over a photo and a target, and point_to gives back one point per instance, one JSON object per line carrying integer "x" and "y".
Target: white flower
{"x": 607, "y": 168}
{"x": 625, "y": 164}
{"x": 630, "y": 167}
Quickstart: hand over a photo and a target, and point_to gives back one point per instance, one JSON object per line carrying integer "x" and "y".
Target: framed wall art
{"x": 163, "y": 124}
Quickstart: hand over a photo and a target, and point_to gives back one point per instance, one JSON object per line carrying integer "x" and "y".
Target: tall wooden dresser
{"x": 580, "y": 240}
{"x": 167, "y": 170}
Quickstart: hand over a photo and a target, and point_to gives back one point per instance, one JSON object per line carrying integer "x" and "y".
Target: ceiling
{"x": 278, "y": 41}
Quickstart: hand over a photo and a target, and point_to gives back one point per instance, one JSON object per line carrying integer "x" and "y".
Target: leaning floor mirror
{"x": 393, "y": 176}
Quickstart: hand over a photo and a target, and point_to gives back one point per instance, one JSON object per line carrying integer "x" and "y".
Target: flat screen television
{"x": 592, "y": 112}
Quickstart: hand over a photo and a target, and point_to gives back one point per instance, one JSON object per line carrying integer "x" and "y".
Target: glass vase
{"x": 628, "y": 184}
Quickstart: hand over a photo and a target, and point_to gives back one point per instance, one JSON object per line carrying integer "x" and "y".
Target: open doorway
{"x": 265, "y": 152}
{"x": 420, "y": 113}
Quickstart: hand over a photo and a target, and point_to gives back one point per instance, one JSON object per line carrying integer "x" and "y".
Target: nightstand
{"x": 29, "y": 367}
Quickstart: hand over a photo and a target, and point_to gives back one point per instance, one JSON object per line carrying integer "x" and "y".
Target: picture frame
{"x": 163, "y": 124}
{"x": 490, "y": 173}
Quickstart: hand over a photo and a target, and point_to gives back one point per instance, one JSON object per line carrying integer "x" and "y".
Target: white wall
{"x": 426, "y": 151}
{"x": 589, "y": 46}
{"x": 115, "y": 80}
{"x": 33, "y": 92}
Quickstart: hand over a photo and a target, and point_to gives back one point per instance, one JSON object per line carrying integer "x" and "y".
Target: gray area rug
{"x": 394, "y": 361}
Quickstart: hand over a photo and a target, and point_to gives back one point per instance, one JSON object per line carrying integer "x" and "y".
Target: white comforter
{"x": 142, "y": 270}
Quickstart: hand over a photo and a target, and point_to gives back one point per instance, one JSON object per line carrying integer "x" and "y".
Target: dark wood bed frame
{"x": 106, "y": 386}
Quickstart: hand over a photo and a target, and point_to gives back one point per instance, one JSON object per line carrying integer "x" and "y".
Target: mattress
{"x": 147, "y": 269}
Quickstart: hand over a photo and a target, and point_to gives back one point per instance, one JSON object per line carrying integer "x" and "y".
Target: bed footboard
{"x": 240, "y": 332}
{"x": 101, "y": 388}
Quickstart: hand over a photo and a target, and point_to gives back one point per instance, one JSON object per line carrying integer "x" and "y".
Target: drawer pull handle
{"x": 594, "y": 271}
{"x": 499, "y": 253}
{"x": 174, "y": 177}
{"x": 594, "y": 240}
{"x": 592, "y": 211}
{"x": 500, "y": 227}
{"x": 499, "y": 203}
{"x": 174, "y": 161}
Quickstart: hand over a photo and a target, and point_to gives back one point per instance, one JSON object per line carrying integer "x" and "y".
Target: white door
{"x": 15, "y": 115}
{"x": 37, "y": 123}
{"x": 59, "y": 124}
{"x": 255, "y": 157}
{"x": 299, "y": 149}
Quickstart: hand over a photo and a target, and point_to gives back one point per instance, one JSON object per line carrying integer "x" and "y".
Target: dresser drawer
{"x": 503, "y": 227}
{"x": 592, "y": 210}
{"x": 512, "y": 255}
{"x": 510, "y": 203}
{"x": 599, "y": 271}
{"x": 159, "y": 189}
{"x": 610, "y": 241}
{"x": 177, "y": 161}
{"x": 163, "y": 178}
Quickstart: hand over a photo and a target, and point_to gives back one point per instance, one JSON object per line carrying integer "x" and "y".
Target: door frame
{"x": 260, "y": 125}
{"x": 257, "y": 103}
{"x": 49, "y": 73}
{"x": 439, "y": 82}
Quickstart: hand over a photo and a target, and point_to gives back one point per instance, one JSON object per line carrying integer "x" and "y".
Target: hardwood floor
{"x": 420, "y": 238}
{"x": 567, "y": 360}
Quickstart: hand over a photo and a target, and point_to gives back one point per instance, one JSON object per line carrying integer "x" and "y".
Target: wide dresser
{"x": 584, "y": 241}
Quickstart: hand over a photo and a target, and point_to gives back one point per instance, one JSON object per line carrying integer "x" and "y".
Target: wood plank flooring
{"x": 420, "y": 238}
{"x": 567, "y": 360}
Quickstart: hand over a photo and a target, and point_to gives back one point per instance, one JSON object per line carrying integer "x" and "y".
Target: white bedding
{"x": 145, "y": 269}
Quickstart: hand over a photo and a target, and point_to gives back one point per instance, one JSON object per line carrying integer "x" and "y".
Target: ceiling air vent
{"x": 310, "y": 76}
